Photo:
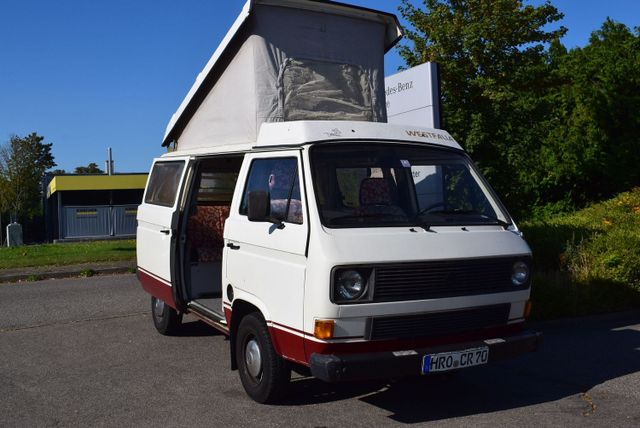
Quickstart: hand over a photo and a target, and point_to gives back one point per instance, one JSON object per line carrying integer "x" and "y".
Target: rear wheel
{"x": 165, "y": 318}
{"x": 264, "y": 374}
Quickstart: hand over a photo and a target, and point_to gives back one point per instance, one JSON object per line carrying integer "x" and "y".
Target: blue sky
{"x": 89, "y": 75}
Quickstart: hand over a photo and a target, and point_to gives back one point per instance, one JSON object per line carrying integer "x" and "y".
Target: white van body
{"x": 285, "y": 274}
{"x": 345, "y": 249}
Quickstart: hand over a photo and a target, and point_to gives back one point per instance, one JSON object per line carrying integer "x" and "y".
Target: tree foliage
{"x": 550, "y": 128}
{"x": 592, "y": 148}
{"x": 92, "y": 168}
{"x": 23, "y": 161}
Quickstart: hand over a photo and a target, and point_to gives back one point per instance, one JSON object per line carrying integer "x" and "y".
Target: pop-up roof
{"x": 287, "y": 60}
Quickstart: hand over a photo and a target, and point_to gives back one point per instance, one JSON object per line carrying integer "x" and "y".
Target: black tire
{"x": 165, "y": 318}
{"x": 268, "y": 383}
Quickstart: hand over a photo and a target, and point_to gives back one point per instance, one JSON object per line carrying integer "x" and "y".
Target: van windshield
{"x": 373, "y": 185}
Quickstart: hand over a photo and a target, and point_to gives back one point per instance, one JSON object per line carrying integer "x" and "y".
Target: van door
{"x": 266, "y": 263}
{"x": 157, "y": 230}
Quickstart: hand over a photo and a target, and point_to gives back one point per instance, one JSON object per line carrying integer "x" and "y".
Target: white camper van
{"x": 293, "y": 218}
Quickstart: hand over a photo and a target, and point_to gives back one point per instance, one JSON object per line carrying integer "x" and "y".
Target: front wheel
{"x": 264, "y": 374}
{"x": 165, "y": 318}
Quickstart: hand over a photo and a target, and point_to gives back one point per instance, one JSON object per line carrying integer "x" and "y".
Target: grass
{"x": 588, "y": 261}
{"x": 67, "y": 254}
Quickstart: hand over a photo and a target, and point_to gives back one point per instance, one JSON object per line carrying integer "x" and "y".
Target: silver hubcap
{"x": 252, "y": 358}
{"x": 158, "y": 307}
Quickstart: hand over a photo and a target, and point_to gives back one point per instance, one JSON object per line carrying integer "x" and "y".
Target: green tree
{"x": 592, "y": 149}
{"x": 92, "y": 168}
{"x": 23, "y": 161}
{"x": 495, "y": 78}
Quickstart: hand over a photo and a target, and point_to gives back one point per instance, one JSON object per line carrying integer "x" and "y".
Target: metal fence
{"x": 98, "y": 221}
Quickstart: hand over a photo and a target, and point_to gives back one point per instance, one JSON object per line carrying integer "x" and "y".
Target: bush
{"x": 587, "y": 261}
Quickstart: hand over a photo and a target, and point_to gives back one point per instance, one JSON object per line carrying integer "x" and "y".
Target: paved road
{"x": 83, "y": 352}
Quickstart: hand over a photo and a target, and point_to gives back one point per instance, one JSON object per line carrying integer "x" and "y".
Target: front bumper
{"x": 386, "y": 365}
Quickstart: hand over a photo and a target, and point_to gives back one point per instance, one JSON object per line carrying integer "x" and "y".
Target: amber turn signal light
{"x": 527, "y": 308}
{"x": 323, "y": 329}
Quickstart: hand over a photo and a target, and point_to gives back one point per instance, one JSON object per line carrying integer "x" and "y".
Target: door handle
{"x": 232, "y": 246}
{"x": 165, "y": 231}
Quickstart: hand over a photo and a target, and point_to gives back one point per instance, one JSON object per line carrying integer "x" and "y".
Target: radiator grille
{"x": 437, "y": 324}
{"x": 446, "y": 278}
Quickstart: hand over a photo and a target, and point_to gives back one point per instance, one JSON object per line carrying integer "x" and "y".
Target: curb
{"x": 70, "y": 272}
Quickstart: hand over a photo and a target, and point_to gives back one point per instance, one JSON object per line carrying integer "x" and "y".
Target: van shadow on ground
{"x": 193, "y": 328}
{"x": 576, "y": 356}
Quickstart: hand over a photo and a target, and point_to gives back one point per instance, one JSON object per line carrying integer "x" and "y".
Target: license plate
{"x": 442, "y": 362}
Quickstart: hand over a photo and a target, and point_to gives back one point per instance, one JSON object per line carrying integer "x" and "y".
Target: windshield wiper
{"x": 425, "y": 226}
{"x": 496, "y": 220}
{"x": 457, "y": 211}
{"x": 418, "y": 222}
{"x": 360, "y": 216}
{"x": 505, "y": 225}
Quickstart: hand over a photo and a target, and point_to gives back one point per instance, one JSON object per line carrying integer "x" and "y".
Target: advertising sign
{"x": 413, "y": 96}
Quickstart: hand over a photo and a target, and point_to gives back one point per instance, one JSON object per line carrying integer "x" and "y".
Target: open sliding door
{"x": 157, "y": 229}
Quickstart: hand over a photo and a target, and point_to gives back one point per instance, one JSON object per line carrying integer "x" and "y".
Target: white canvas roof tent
{"x": 287, "y": 60}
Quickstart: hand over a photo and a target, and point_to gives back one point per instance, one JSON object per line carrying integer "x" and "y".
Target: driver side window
{"x": 278, "y": 177}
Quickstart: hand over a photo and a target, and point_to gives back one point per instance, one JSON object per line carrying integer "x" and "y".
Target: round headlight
{"x": 350, "y": 284}
{"x": 519, "y": 274}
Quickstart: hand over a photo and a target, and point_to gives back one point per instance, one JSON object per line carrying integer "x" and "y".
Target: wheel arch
{"x": 239, "y": 309}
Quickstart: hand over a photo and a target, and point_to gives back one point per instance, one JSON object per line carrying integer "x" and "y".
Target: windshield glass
{"x": 367, "y": 185}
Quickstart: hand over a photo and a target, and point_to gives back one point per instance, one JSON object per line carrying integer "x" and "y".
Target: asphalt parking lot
{"x": 84, "y": 352}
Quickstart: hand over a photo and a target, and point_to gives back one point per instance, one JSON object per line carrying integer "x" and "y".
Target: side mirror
{"x": 259, "y": 208}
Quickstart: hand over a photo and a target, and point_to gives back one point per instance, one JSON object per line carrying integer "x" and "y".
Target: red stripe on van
{"x": 156, "y": 287}
{"x": 288, "y": 345}
{"x": 227, "y": 315}
{"x": 295, "y": 348}
{"x": 312, "y": 347}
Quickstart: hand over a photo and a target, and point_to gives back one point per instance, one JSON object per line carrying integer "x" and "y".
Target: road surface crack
{"x": 592, "y": 406}
{"x": 58, "y": 323}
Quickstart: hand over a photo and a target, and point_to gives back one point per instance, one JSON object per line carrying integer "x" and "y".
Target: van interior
{"x": 210, "y": 197}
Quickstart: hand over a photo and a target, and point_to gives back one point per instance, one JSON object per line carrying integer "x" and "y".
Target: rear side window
{"x": 279, "y": 177}
{"x": 163, "y": 183}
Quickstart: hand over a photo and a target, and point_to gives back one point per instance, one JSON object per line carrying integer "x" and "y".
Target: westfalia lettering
{"x": 399, "y": 88}
{"x": 425, "y": 134}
